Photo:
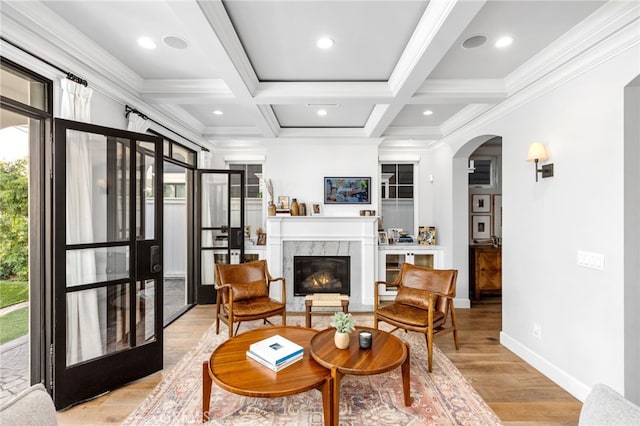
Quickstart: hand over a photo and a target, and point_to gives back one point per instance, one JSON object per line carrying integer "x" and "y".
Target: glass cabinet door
{"x": 393, "y": 263}
{"x": 423, "y": 260}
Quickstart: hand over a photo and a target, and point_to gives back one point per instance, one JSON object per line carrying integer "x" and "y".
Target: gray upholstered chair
{"x": 31, "y": 407}
{"x": 606, "y": 407}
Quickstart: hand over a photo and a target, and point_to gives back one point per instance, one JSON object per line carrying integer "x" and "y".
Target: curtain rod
{"x": 69, "y": 75}
{"x": 128, "y": 110}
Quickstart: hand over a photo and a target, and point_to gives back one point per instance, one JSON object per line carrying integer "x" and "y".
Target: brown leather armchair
{"x": 423, "y": 303}
{"x": 243, "y": 295}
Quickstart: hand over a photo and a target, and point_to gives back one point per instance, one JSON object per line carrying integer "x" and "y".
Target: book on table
{"x": 275, "y": 350}
{"x": 278, "y": 367}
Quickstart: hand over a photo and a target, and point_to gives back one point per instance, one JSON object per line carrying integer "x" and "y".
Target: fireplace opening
{"x": 321, "y": 274}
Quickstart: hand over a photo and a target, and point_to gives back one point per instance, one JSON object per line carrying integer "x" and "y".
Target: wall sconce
{"x": 537, "y": 152}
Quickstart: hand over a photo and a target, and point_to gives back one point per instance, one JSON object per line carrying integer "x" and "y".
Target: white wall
{"x": 581, "y": 311}
{"x": 297, "y": 169}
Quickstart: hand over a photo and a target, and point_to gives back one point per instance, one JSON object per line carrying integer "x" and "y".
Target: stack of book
{"x": 275, "y": 352}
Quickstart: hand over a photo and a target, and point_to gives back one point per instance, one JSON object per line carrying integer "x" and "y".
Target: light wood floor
{"x": 516, "y": 392}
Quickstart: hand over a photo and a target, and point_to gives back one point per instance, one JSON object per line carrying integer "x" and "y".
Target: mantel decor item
{"x": 295, "y": 207}
{"x": 344, "y": 324}
{"x": 347, "y": 190}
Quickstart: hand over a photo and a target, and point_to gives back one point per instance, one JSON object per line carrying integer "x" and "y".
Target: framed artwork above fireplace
{"x": 347, "y": 190}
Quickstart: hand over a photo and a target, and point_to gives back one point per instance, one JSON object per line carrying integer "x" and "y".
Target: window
{"x": 397, "y": 196}
{"x": 253, "y": 208}
{"x": 481, "y": 172}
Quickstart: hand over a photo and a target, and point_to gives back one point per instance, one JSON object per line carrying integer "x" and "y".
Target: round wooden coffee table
{"x": 386, "y": 353}
{"x": 230, "y": 368}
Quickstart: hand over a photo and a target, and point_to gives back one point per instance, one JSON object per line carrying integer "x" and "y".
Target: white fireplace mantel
{"x": 358, "y": 230}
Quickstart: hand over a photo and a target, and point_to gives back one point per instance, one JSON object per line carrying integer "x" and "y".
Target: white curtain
{"x": 137, "y": 123}
{"x": 85, "y": 339}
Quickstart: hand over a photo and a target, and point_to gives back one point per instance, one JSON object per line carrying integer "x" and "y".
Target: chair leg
{"x": 454, "y": 325}
{"x": 237, "y": 328}
{"x": 429, "y": 351}
{"x": 284, "y": 318}
{"x": 375, "y": 321}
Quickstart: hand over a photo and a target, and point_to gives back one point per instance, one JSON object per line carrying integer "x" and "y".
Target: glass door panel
{"x": 423, "y": 260}
{"x": 219, "y": 224}
{"x": 107, "y": 298}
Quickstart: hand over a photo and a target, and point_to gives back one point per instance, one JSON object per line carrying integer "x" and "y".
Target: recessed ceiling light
{"x": 504, "y": 41}
{"x": 322, "y": 112}
{"x": 427, "y": 112}
{"x": 475, "y": 41}
{"x": 325, "y": 43}
{"x": 147, "y": 43}
{"x": 175, "y": 42}
{"x": 217, "y": 112}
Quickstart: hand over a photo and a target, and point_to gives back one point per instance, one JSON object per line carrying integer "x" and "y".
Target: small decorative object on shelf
{"x": 295, "y": 208}
{"x": 344, "y": 324}
{"x": 303, "y": 209}
{"x": 272, "y": 207}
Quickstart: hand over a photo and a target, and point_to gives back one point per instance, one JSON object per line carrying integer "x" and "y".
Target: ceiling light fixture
{"x": 175, "y": 42}
{"x": 217, "y": 112}
{"x": 474, "y": 41}
{"x": 504, "y": 42}
{"x": 427, "y": 112}
{"x": 147, "y": 43}
{"x": 322, "y": 112}
{"x": 325, "y": 43}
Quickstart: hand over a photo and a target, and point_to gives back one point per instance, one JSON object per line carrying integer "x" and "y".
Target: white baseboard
{"x": 557, "y": 375}
{"x": 462, "y": 303}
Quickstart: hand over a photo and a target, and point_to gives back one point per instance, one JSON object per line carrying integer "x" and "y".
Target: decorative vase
{"x": 341, "y": 340}
{"x": 295, "y": 208}
{"x": 272, "y": 209}
{"x": 303, "y": 209}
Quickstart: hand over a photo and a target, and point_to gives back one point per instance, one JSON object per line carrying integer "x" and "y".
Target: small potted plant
{"x": 344, "y": 325}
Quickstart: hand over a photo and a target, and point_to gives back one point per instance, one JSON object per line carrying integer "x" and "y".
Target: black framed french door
{"x": 107, "y": 259}
{"x": 219, "y": 226}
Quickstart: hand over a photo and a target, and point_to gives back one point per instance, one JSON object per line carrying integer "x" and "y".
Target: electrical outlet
{"x": 537, "y": 330}
{"x": 591, "y": 260}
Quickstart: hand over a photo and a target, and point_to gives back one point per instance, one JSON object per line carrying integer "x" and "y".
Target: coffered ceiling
{"x": 257, "y": 63}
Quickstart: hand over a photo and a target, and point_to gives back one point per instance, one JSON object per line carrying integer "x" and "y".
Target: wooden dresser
{"x": 485, "y": 276}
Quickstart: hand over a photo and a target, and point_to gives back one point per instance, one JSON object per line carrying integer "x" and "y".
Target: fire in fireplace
{"x": 321, "y": 274}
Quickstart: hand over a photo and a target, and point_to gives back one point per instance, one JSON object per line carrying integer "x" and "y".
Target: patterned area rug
{"x": 443, "y": 397}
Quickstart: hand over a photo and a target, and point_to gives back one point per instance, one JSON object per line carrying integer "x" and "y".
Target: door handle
{"x": 155, "y": 259}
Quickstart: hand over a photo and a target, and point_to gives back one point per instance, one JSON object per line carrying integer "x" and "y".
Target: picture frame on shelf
{"x": 316, "y": 209}
{"x": 347, "y": 190}
{"x": 481, "y": 203}
{"x": 383, "y": 240}
{"x": 427, "y": 235}
{"x": 283, "y": 202}
{"x": 262, "y": 240}
{"x": 480, "y": 226}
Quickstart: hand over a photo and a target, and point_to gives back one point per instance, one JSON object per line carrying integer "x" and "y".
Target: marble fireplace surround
{"x": 353, "y": 236}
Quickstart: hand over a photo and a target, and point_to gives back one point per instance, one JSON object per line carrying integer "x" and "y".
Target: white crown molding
{"x": 458, "y": 91}
{"x": 83, "y": 58}
{"x": 428, "y": 132}
{"x": 597, "y": 27}
{"x": 268, "y": 122}
{"x": 322, "y": 92}
{"x": 232, "y": 132}
{"x": 221, "y": 25}
{"x": 210, "y": 85}
{"x": 612, "y": 45}
{"x": 464, "y": 116}
{"x": 318, "y": 132}
{"x": 392, "y": 149}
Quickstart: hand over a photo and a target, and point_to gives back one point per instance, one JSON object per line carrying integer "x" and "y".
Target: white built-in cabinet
{"x": 391, "y": 258}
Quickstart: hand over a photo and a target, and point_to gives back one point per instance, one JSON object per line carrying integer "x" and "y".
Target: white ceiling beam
{"x": 422, "y": 132}
{"x": 440, "y": 26}
{"x": 460, "y": 91}
{"x": 231, "y": 60}
{"x": 322, "y": 92}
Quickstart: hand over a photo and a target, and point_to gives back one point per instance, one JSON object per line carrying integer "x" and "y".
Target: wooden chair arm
{"x": 376, "y": 292}
{"x": 283, "y": 290}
